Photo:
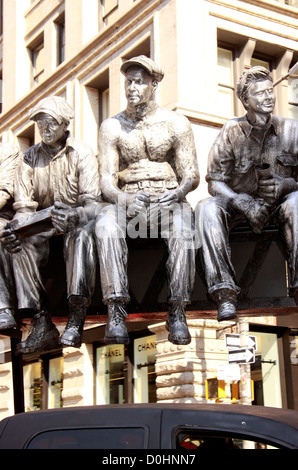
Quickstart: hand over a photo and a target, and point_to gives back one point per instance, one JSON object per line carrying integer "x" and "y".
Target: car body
{"x": 152, "y": 426}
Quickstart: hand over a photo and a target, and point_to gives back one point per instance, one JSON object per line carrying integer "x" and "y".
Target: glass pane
{"x": 105, "y": 438}
{"x": 110, "y": 374}
{"x": 265, "y": 372}
{"x": 225, "y": 101}
{"x": 32, "y": 386}
{"x": 144, "y": 369}
{"x": 293, "y": 111}
{"x": 293, "y": 90}
{"x": 225, "y": 67}
{"x": 258, "y": 62}
{"x": 55, "y": 383}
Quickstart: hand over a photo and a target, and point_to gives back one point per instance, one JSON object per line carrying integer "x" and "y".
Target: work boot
{"x": 176, "y": 324}
{"x": 116, "y": 331}
{"x": 43, "y": 335}
{"x": 7, "y": 320}
{"x": 73, "y": 332}
{"x": 226, "y": 300}
{"x": 295, "y": 295}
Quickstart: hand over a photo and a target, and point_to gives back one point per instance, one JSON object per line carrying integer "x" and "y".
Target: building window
{"x": 144, "y": 370}
{"x": 225, "y": 75}
{"x": 293, "y": 97}
{"x": 26, "y": 138}
{"x": 38, "y": 62}
{"x": 60, "y": 40}
{"x": 43, "y": 383}
{"x": 126, "y": 374}
{"x": 259, "y": 62}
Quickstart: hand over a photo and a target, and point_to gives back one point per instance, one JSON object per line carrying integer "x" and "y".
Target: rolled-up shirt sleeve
{"x": 88, "y": 170}
{"x": 221, "y": 159}
{"x": 23, "y": 188}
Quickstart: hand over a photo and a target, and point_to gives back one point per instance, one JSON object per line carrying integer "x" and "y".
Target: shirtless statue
{"x": 148, "y": 163}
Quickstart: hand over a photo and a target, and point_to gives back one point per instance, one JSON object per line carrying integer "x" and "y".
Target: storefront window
{"x": 55, "y": 383}
{"x": 110, "y": 375}
{"x": 32, "y": 386}
{"x": 144, "y": 370}
{"x": 265, "y": 372}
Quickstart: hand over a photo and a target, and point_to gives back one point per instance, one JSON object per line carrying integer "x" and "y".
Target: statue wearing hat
{"x": 60, "y": 173}
{"x": 148, "y": 165}
{"x": 252, "y": 176}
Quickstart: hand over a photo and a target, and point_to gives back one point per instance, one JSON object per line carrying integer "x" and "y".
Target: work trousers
{"x": 80, "y": 261}
{"x": 215, "y": 218}
{"x": 175, "y": 225}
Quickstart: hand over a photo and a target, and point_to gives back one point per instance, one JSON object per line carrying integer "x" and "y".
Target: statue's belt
{"x": 158, "y": 186}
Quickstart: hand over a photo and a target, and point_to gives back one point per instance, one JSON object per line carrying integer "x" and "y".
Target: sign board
{"x": 233, "y": 341}
{"x": 241, "y": 356}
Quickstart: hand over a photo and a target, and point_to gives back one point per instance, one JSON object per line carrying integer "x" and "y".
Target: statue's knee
{"x": 208, "y": 209}
{"x": 106, "y": 227}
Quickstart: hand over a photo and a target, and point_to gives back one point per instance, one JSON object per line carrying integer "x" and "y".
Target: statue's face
{"x": 139, "y": 86}
{"x": 261, "y": 97}
{"x": 50, "y": 130}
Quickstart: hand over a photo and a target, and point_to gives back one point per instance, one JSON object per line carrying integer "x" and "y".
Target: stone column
{"x": 78, "y": 376}
{"x": 181, "y": 371}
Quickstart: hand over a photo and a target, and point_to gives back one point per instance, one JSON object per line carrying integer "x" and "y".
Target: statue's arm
{"x": 8, "y": 164}
{"x": 23, "y": 189}
{"x": 108, "y": 158}
{"x": 186, "y": 157}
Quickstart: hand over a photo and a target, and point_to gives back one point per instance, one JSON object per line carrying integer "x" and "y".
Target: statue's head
{"x": 142, "y": 76}
{"x": 52, "y": 115}
{"x": 255, "y": 90}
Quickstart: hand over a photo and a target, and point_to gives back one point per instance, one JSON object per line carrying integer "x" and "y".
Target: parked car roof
{"x": 159, "y": 422}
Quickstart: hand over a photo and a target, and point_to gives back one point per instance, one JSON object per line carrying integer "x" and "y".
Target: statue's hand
{"x": 171, "y": 196}
{"x": 137, "y": 203}
{"x": 10, "y": 241}
{"x": 273, "y": 189}
{"x": 256, "y": 214}
{"x": 64, "y": 218}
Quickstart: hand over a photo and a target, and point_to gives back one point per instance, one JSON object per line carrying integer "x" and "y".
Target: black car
{"x": 152, "y": 426}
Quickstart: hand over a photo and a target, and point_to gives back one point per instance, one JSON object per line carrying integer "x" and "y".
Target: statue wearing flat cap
{"x": 148, "y": 165}
{"x": 59, "y": 173}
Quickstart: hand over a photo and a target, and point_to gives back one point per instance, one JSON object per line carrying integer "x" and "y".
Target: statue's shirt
{"x": 71, "y": 177}
{"x": 239, "y": 147}
{"x": 9, "y": 160}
